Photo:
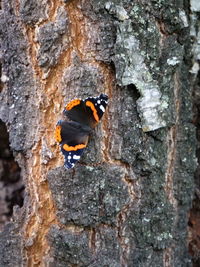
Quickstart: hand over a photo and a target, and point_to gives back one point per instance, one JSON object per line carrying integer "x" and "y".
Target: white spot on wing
{"x": 102, "y": 108}
{"x": 76, "y": 157}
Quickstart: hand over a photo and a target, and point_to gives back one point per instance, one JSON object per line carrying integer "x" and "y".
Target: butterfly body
{"x": 73, "y": 135}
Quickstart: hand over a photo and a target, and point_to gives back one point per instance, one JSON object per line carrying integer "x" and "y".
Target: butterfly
{"x": 73, "y": 134}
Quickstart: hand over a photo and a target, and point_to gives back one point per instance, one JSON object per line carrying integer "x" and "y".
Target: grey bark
{"x": 127, "y": 202}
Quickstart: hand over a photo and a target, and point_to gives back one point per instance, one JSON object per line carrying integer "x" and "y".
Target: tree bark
{"x": 127, "y": 202}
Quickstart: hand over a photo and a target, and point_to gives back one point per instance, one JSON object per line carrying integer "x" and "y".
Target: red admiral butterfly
{"x": 73, "y": 135}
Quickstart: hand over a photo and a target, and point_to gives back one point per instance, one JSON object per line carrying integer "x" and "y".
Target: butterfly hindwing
{"x": 71, "y": 157}
{"x": 73, "y": 139}
{"x": 73, "y": 133}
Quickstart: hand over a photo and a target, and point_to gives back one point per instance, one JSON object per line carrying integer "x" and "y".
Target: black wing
{"x": 88, "y": 111}
{"x": 73, "y": 139}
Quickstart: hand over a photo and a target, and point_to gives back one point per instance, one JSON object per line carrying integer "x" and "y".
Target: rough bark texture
{"x": 127, "y": 202}
{"x": 11, "y": 184}
{"x": 194, "y": 219}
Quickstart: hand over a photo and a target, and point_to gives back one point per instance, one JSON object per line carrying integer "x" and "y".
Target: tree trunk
{"x": 127, "y": 202}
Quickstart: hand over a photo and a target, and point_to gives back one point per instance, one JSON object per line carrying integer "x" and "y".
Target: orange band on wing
{"x": 73, "y": 103}
{"x": 91, "y": 105}
{"x": 58, "y": 133}
{"x": 73, "y": 148}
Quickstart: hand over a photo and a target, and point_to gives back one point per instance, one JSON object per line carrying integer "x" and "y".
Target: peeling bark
{"x": 126, "y": 203}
